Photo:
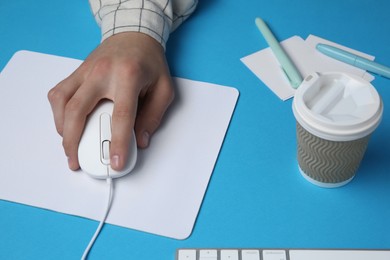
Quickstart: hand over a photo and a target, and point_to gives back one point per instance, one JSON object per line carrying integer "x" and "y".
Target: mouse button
{"x": 105, "y": 127}
{"x": 130, "y": 163}
{"x": 106, "y": 152}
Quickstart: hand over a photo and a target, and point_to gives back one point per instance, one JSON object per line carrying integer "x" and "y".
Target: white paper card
{"x": 307, "y": 60}
{"x": 161, "y": 196}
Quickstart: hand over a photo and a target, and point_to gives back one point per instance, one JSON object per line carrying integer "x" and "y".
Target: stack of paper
{"x": 306, "y": 58}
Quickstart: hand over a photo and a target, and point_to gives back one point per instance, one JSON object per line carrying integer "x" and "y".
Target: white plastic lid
{"x": 337, "y": 106}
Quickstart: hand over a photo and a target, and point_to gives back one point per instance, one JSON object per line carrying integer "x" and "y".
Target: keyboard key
{"x": 187, "y": 254}
{"x": 229, "y": 254}
{"x": 248, "y": 254}
{"x": 274, "y": 255}
{"x": 208, "y": 254}
{"x": 339, "y": 254}
{"x": 279, "y": 254}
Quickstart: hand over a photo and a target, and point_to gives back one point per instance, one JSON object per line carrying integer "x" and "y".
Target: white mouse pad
{"x": 163, "y": 194}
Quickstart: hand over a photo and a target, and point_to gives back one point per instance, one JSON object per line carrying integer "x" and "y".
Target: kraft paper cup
{"x": 335, "y": 115}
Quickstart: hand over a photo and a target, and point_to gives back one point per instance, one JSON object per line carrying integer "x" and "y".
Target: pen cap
{"x": 337, "y": 106}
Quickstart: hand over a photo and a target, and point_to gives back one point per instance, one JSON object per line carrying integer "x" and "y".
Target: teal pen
{"x": 287, "y": 65}
{"x": 354, "y": 60}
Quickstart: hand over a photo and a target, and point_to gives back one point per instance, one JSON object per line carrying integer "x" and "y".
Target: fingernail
{"x": 145, "y": 138}
{"x": 71, "y": 164}
{"x": 115, "y": 161}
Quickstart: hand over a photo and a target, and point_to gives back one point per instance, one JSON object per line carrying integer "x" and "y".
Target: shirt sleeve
{"x": 156, "y": 18}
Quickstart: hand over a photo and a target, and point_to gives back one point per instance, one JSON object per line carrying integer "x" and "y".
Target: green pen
{"x": 287, "y": 65}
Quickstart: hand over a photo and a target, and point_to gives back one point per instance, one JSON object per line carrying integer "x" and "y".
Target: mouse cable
{"x": 99, "y": 228}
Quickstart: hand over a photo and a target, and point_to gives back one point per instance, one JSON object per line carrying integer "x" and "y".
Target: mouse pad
{"x": 164, "y": 192}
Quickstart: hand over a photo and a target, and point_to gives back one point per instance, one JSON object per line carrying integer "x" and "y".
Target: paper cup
{"x": 336, "y": 114}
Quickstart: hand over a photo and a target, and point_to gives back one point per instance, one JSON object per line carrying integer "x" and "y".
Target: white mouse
{"x": 94, "y": 146}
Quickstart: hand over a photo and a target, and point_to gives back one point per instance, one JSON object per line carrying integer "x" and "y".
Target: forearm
{"x": 157, "y": 18}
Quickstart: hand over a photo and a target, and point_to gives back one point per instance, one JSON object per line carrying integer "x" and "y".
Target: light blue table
{"x": 256, "y": 197}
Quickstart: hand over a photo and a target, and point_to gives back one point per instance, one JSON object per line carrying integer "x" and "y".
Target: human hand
{"x": 131, "y": 70}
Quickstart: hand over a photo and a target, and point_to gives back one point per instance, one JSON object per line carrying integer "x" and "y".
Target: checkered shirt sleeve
{"x": 156, "y": 18}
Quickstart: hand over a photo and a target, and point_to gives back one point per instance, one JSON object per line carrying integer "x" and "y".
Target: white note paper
{"x": 306, "y": 58}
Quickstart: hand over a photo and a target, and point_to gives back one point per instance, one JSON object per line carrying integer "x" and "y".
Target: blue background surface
{"x": 256, "y": 196}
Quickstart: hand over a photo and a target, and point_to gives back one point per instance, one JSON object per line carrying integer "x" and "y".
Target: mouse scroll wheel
{"x": 106, "y": 152}
{"x": 105, "y": 137}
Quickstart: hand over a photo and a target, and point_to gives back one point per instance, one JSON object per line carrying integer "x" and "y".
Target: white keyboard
{"x": 279, "y": 254}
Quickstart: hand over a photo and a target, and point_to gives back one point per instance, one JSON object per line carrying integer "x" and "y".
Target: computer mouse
{"x": 94, "y": 146}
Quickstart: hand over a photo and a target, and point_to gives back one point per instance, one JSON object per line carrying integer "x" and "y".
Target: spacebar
{"x": 342, "y": 254}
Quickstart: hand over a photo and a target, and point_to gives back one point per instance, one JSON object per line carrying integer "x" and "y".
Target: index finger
{"x": 123, "y": 117}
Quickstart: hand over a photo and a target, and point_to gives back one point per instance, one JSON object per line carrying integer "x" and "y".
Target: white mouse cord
{"x": 109, "y": 202}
